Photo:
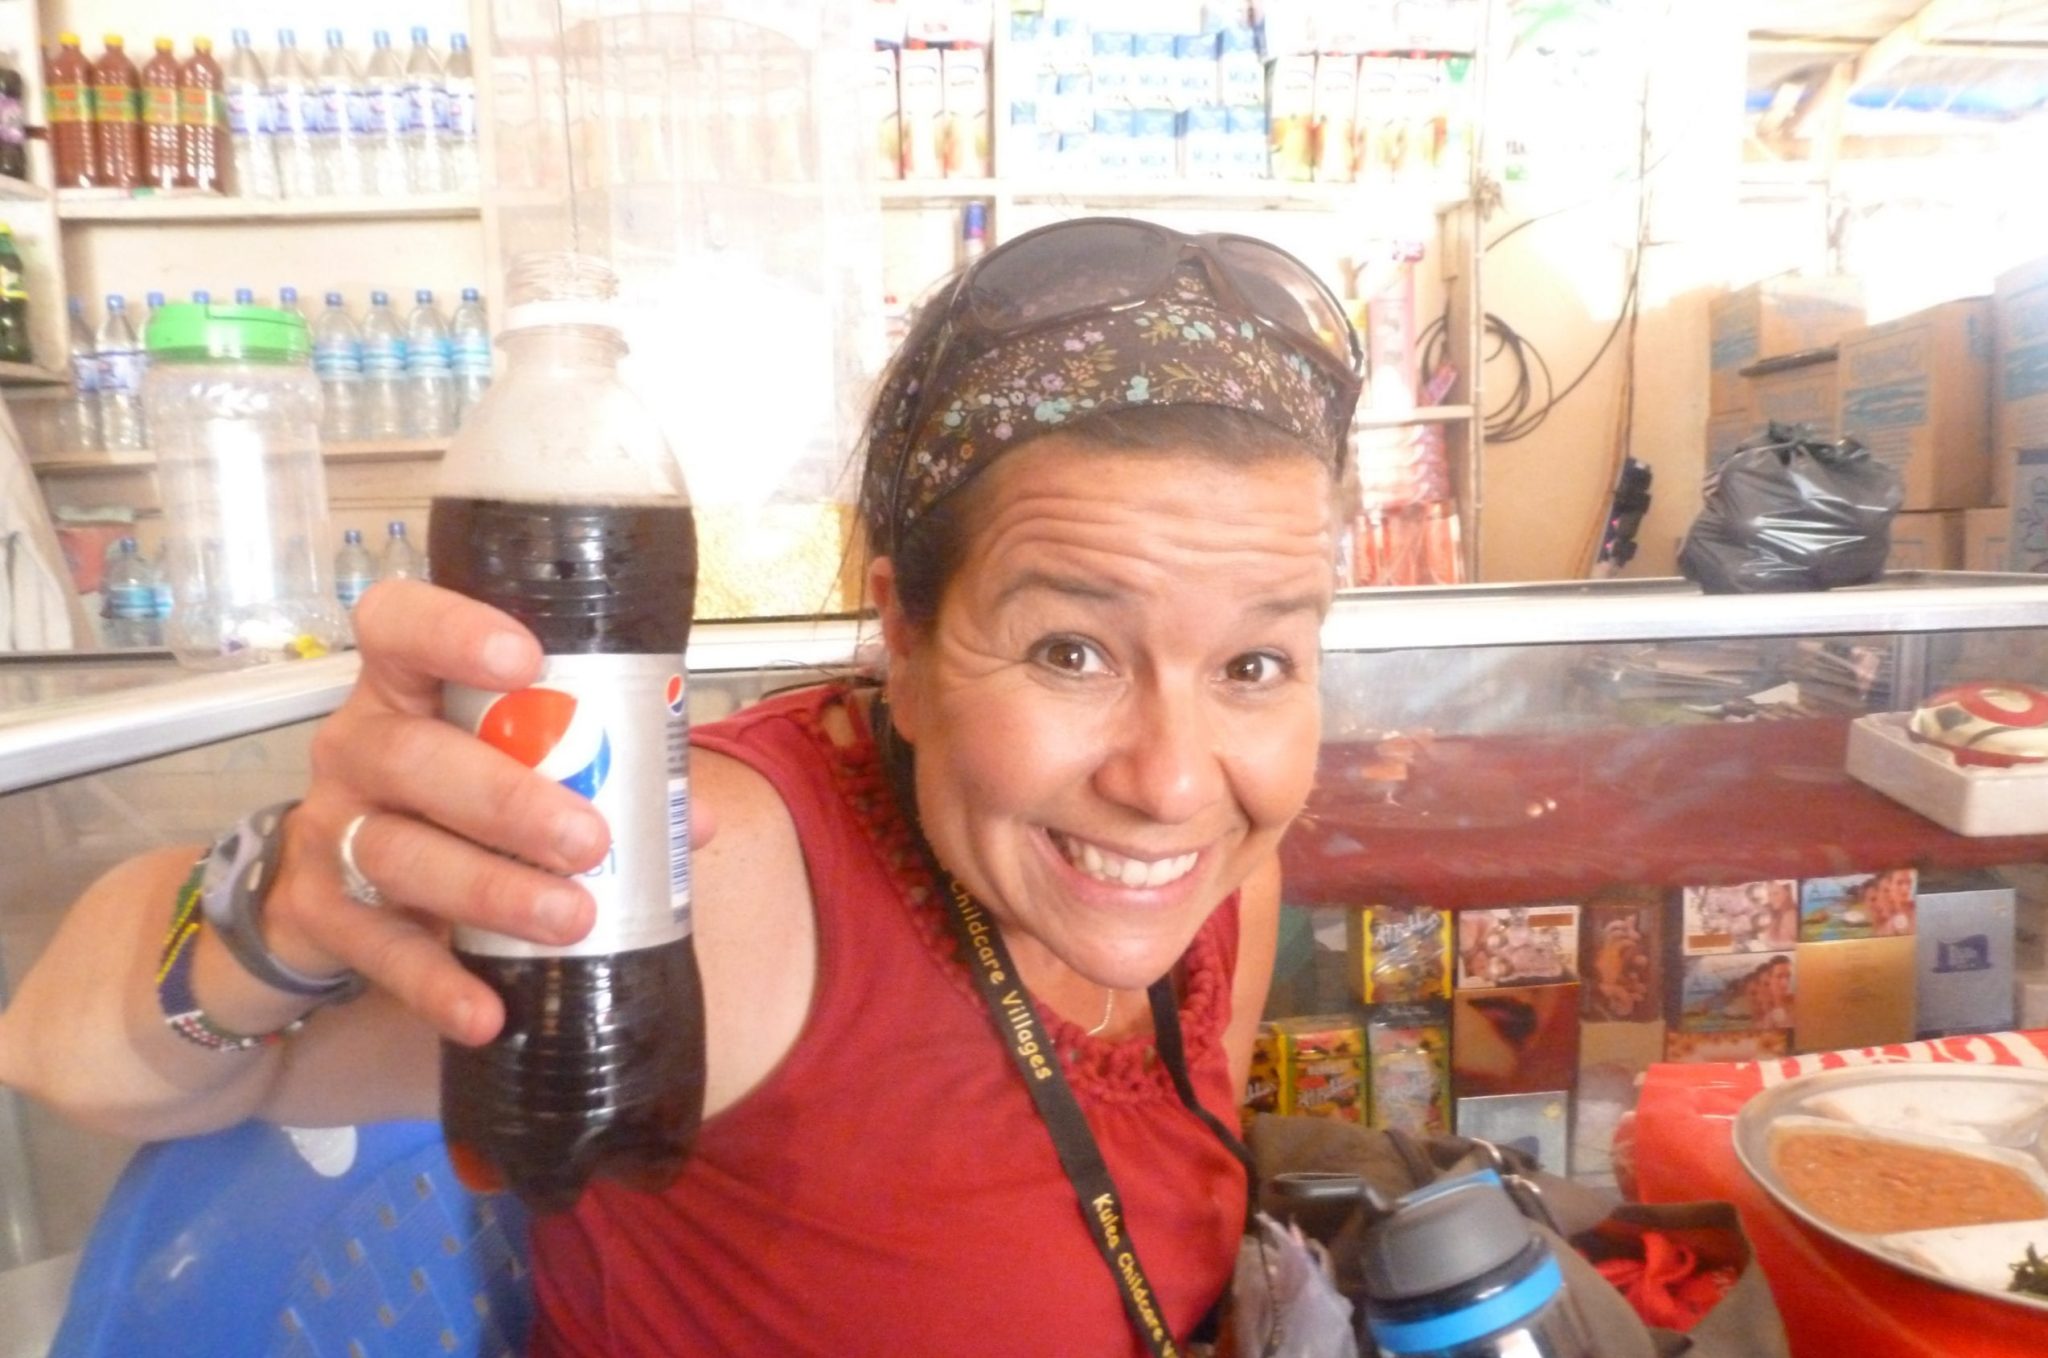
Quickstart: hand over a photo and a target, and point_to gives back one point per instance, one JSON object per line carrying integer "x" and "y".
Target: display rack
{"x": 113, "y": 207}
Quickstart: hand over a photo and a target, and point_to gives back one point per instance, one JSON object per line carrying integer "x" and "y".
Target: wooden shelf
{"x": 121, "y": 460}
{"x": 1402, "y": 419}
{"x": 921, "y": 191}
{"x": 1253, "y": 194}
{"x": 112, "y": 207}
{"x": 21, "y": 191}
{"x": 30, "y": 375}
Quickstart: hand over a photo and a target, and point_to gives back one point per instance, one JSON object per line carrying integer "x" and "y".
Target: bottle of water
{"x": 251, "y": 122}
{"x": 78, "y": 419}
{"x": 338, "y": 363}
{"x": 288, "y": 300}
{"x": 426, "y": 117}
{"x": 459, "y": 79}
{"x": 469, "y": 339}
{"x": 385, "y": 397}
{"x": 388, "y": 125}
{"x": 160, "y": 576}
{"x": 128, "y": 599}
{"x": 297, "y": 118}
{"x": 341, "y": 121}
{"x": 429, "y": 377}
{"x": 401, "y": 560}
{"x": 354, "y": 571}
{"x": 120, "y": 356}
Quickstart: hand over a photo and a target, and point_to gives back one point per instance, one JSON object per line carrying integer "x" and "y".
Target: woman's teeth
{"x": 1117, "y": 870}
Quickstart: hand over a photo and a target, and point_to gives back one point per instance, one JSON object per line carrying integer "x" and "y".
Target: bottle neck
{"x": 563, "y": 346}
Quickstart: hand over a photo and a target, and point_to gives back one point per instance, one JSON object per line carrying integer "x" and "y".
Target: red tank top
{"x": 890, "y": 1188}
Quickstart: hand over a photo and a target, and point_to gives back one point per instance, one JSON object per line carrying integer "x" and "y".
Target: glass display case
{"x": 1485, "y": 749}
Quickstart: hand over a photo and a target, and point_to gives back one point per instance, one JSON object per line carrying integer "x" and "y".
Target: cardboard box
{"x": 1800, "y": 393}
{"x": 1613, "y": 1058}
{"x": 1514, "y": 1040}
{"x": 1518, "y": 945}
{"x": 2027, "y": 528}
{"x": 1621, "y": 956}
{"x": 1536, "y": 1123}
{"x": 1926, "y": 540}
{"x": 1746, "y": 917}
{"x": 1986, "y": 534}
{"x": 1325, "y": 1056}
{"x": 1736, "y": 992}
{"x": 1859, "y": 905}
{"x": 1854, "y": 994}
{"x": 1408, "y": 1064}
{"x": 1726, "y": 433}
{"x": 1755, "y": 1044}
{"x": 1770, "y": 319}
{"x": 1398, "y": 954}
{"x": 2019, "y": 388}
{"x": 1917, "y": 393}
{"x": 1964, "y": 950}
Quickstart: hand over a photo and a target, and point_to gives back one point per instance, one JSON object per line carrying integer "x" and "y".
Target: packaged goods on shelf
{"x": 1621, "y": 956}
{"x": 1335, "y": 110}
{"x": 1325, "y": 1057}
{"x": 1964, "y": 950}
{"x": 1857, "y": 993}
{"x": 1514, "y": 1039}
{"x": 1536, "y": 1123}
{"x": 1742, "y": 917}
{"x": 1266, "y": 1089}
{"x": 1857, "y": 905}
{"x": 1398, "y": 954}
{"x": 1408, "y": 1068}
{"x": 1735, "y": 992}
{"x": 1517, "y": 945}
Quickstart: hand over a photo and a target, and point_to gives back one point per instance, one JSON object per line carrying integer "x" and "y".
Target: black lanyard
{"x": 1031, "y": 1053}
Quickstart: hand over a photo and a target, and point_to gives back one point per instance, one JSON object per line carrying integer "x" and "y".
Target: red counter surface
{"x": 1494, "y": 820}
{"x": 1835, "y": 1300}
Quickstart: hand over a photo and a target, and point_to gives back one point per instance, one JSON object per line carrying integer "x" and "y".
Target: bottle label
{"x": 85, "y": 373}
{"x": 13, "y": 284}
{"x": 340, "y": 361}
{"x": 385, "y": 358}
{"x": 361, "y": 116}
{"x": 250, "y": 113}
{"x": 166, "y": 602}
{"x": 114, "y": 103}
{"x": 427, "y": 360}
{"x": 422, "y": 103}
{"x": 199, "y": 108}
{"x": 462, "y": 112}
{"x": 473, "y": 356}
{"x": 121, "y": 372}
{"x": 387, "y": 110}
{"x": 349, "y": 589}
{"x": 160, "y": 106}
{"x": 295, "y": 112}
{"x": 334, "y": 109}
{"x": 69, "y": 103}
{"x": 614, "y": 728}
{"x": 131, "y": 602}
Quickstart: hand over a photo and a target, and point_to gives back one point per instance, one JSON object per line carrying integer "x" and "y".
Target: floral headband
{"x": 1179, "y": 349}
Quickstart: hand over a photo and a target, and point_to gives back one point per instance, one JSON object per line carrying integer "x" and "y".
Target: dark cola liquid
{"x": 599, "y": 1070}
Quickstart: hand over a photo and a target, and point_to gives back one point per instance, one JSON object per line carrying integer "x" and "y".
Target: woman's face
{"x": 1115, "y": 710}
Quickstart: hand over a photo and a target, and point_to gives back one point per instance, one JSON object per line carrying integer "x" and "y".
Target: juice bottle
{"x": 202, "y": 121}
{"x": 13, "y": 301}
{"x": 13, "y": 119}
{"x": 116, "y": 90}
{"x": 160, "y": 152}
{"x": 67, "y": 95}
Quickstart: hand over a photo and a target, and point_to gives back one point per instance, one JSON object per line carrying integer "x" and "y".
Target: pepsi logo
{"x": 672, "y": 694}
{"x": 551, "y": 733}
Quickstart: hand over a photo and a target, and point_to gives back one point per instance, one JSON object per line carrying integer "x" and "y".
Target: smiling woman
{"x": 984, "y": 938}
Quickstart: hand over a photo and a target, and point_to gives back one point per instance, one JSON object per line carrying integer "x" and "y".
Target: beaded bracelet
{"x": 182, "y": 1013}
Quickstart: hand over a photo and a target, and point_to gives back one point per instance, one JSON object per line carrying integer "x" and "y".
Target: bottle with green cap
{"x": 13, "y": 301}
{"x": 234, "y": 414}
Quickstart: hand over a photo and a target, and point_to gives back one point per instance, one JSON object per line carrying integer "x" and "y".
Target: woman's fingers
{"x": 413, "y": 637}
{"x": 429, "y": 768}
{"x": 414, "y": 864}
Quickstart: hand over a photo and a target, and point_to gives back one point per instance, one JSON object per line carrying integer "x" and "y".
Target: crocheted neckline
{"x": 1113, "y": 1070}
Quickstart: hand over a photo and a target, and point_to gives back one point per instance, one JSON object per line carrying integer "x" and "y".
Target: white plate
{"x": 2010, "y": 1136}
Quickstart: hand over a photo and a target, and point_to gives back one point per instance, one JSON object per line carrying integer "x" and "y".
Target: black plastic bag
{"x": 1789, "y": 512}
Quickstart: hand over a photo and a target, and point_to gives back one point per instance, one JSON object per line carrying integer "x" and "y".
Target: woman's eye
{"x": 1256, "y": 669}
{"x": 1070, "y": 656}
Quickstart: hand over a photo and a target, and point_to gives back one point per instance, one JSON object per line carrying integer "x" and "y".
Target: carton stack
{"x": 2019, "y": 412}
{"x": 1769, "y": 359}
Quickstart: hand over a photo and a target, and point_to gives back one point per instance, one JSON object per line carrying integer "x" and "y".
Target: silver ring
{"x": 354, "y": 883}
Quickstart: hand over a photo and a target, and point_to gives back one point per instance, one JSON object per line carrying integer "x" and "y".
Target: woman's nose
{"x": 1164, "y": 763}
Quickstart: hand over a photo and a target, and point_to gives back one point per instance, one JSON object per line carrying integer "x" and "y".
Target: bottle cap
{"x": 155, "y": 299}
{"x": 458, "y": 42}
{"x": 287, "y": 38}
{"x": 239, "y": 36}
{"x": 334, "y": 37}
{"x": 471, "y": 295}
{"x": 287, "y": 294}
{"x": 1442, "y": 1237}
{"x": 245, "y": 297}
{"x": 380, "y": 39}
{"x": 423, "y": 296}
{"x": 116, "y": 302}
{"x": 353, "y": 537}
{"x": 202, "y": 44}
{"x": 191, "y": 332}
{"x": 67, "y": 40}
{"x": 334, "y": 299}
{"x": 201, "y": 296}
{"x": 419, "y": 37}
{"x": 112, "y": 40}
{"x": 380, "y": 299}
{"x": 163, "y": 44}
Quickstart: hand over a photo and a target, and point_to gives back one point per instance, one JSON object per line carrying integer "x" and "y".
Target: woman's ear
{"x": 899, "y": 643}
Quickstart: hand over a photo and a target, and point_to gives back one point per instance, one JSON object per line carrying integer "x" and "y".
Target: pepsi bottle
{"x": 561, "y": 503}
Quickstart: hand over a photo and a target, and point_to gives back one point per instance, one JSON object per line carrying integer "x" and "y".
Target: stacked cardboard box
{"x": 1916, "y": 392}
{"x": 1776, "y": 318}
{"x": 2019, "y": 303}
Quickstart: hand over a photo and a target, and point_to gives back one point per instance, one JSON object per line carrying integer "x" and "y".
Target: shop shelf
{"x": 917, "y": 191}
{"x": 1401, "y": 419}
{"x": 1227, "y": 193}
{"x": 1502, "y": 820}
{"x": 29, "y": 375}
{"x": 21, "y": 191}
{"x": 116, "y": 208}
{"x": 115, "y": 460}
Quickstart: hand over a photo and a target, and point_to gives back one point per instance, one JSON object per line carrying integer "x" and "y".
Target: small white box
{"x": 1977, "y": 801}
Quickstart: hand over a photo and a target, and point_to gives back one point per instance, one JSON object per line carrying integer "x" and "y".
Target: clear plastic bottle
{"x": 121, "y": 365}
{"x": 236, "y": 411}
{"x": 288, "y": 300}
{"x": 429, "y": 377}
{"x": 252, "y": 125}
{"x": 400, "y": 559}
{"x": 160, "y": 578}
{"x": 388, "y": 127}
{"x": 460, "y": 135}
{"x": 426, "y": 117}
{"x": 297, "y": 117}
{"x": 78, "y": 419}
{"x": 385, "y": 400}
{"x": 341, "y": 121}
{"x": 354, "y": 571}
{"x": 128, "y": 599}
{"x": 338, "y": 362}
{"x": 598, "y": 1071}
{"x": 469, "y": 342}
